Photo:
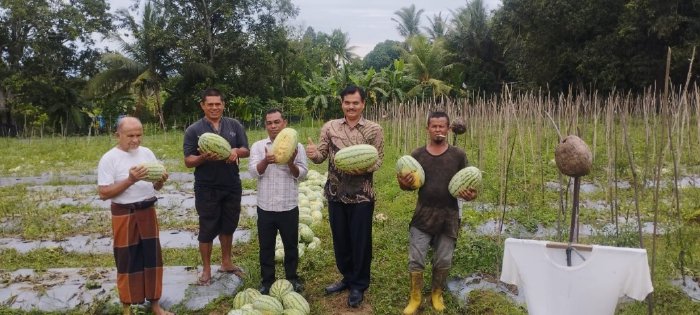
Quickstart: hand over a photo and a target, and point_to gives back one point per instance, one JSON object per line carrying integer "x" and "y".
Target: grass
{"x": 528, "y": 204}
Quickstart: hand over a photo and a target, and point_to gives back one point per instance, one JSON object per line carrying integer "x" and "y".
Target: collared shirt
{"x": 337, "y": 134}
{"x": 216, "y": 174}
{"x": 278, "y": 190}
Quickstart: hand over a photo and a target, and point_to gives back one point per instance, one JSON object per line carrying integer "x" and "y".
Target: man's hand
{"x": 294, "y": 156}
{"x": 468, "y": 194}
{"x": 405, "y": 181}
{"x": 311, "y": 149}
{"x": 208, "y": 156}
{"x": 159, "y": 184}
{"x": 269, "y": 157}
{"x": 137, "y": 173}
{"x": 233, "y": 158}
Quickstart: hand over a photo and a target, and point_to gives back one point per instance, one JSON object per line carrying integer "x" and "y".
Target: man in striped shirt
{"x": 278, "y": 189}
{"x": 350, "y": 196}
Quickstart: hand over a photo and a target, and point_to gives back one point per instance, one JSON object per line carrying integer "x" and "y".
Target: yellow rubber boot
{"x": 414, "y": 297}
{"x": 439, "y": 277}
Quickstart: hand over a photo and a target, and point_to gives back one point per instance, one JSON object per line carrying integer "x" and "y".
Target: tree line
{"x": 55, "y": 77}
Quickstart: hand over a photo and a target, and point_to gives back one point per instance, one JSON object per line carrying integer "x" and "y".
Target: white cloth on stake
{"x": 587, "y": 287}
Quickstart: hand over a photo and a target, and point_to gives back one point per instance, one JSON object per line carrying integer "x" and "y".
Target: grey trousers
{"x": 419, "y": 244}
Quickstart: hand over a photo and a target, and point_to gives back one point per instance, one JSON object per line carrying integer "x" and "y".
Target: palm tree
{"x": 426, "y": 63}
{"x": 338, "y": 43}
{"x": 408, "y": 21}
{"x": 438, "y": 27}
{"x": 396, "y": 81}
{"x": 145, "y": 64}
{"x": 371, "y": 82}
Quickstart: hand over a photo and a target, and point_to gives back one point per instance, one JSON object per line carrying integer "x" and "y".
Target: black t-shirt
{"x": 437, "y": 210}
{"x": 216, "y": 174}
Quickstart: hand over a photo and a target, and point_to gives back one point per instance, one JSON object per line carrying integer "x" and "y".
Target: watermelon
{"x": 284, "y": 145}
{"x": 156, "y": 170}
{"x": 281, "y": 287}
{"x": 292, "y": 311}
{"x": 468, "y": 177}
{"x": 213, "y": 143}
{"x": 267, "y": 305}
{"x": 306, "y": 235}
{"x": 356, "y": 158}
{"x": 293, "y": 300}
{"x": 408, "y": 165}
{"x": 279, "y": 255}
{"x": 244, "y": 297}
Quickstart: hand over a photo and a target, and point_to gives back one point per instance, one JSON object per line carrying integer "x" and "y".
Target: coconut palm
{"x": 438, "y": 27}
{"x": 408, "y": 21}
{"x": 144, "y": 65}
{"x": 426, "y": 64}
{"x": 338, "y": 43}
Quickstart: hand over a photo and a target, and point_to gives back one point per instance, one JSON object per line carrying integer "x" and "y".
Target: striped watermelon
{"x": 284, "y": 145}
{"x": 468, "y": 177}
{"x": 156, "y": 170}
{"x": 293, "y": 300}
{"x": 213, "y": 143}
{"x": 407, "y": 164}
{"x": 292, "y": 311}
{"x": 356, "y": 158}
{"x": 268, "y": 305}
{"x": 244, "y": 297}
{"x": 281, "y": 287}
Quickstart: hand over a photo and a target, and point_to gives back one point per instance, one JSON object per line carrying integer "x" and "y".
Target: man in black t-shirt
{"x": 217, "y": 184}
{"x": 435, "y": 222}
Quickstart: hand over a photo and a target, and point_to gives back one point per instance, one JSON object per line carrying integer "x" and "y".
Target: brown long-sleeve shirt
{"x": 337, "y": 134}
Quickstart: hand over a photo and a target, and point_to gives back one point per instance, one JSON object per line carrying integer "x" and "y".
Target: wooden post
{"x": 573, "y": 230}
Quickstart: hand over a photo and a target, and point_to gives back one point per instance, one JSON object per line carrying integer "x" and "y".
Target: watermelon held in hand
{"x": 216, "y": 144}
{"x": 408, "y": 165}
{"x": 156, "y": 170}
{"x": 468, "y": 177}
{"x": 284, "y": 145}
{"x": 356, "y": 158}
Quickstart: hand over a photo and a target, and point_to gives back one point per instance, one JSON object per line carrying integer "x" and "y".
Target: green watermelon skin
{"x": 212, "y": 143}
{"x": 468, "y": 177}
{"x": 356, "y": 158}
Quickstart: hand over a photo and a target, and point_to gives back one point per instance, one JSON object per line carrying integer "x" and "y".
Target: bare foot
{"x": 204, "y": 279}
{"x": 231, "y": 269}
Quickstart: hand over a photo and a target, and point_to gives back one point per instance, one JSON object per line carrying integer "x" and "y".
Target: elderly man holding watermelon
{"x": 213, "y": 145}
{"x": 435, "y": 222}
{"x": 123, "y": 177}
{"x": 354, "y": 147}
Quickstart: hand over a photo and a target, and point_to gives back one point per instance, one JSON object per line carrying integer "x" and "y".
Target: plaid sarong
{"x": 137, "y": 254}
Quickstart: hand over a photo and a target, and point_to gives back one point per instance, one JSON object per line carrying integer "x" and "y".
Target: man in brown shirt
{"x": 435, "y": 221}
{"x": 350, "y": 196}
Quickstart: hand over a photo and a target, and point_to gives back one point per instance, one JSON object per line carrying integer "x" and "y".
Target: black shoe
{"x": 336, "y": 287}
{"x": 355, "y": 298}
{"x": 264, "y": 289}
{"x": 297, "y": 285}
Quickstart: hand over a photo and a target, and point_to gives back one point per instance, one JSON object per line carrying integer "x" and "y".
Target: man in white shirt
{"x": 134, "y": 223}
{"x": 591, "y": 285}
{"x": 278, "y": 189}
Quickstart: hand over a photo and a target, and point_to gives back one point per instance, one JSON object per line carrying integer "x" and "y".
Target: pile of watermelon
{"x": 311, "y": 203}
{"x": 282, "y": 300}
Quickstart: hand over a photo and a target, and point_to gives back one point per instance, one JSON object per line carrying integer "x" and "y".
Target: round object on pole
{"x": 573, "y": 157}
{"x": 458, "y": 126}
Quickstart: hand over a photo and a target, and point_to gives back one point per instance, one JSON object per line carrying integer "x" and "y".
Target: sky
{"x": 366, "y": 22}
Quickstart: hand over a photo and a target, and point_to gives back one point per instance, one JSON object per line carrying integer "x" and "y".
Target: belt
{"x": 144, "y": 204}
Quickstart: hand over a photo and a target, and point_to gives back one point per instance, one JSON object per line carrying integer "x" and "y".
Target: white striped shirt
{"x": 277, "y": 189}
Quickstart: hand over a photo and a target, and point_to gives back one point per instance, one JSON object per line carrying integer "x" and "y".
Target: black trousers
{"x": 287, "y": 223}
{"x": 351, "y": 226}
